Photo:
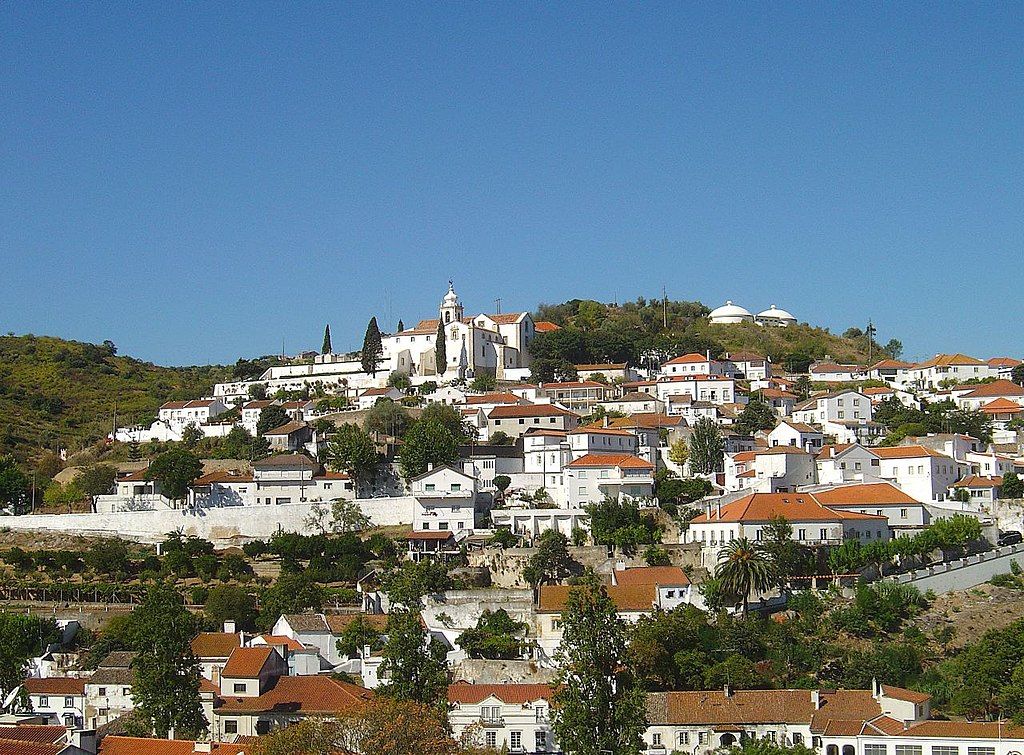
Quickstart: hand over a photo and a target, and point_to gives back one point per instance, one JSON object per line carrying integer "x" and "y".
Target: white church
{"x": 479, "y": 345}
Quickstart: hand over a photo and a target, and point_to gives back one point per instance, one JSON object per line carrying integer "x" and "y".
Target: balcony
{"x": 492, "y": 721}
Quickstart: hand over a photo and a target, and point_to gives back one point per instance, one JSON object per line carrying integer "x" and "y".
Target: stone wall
{"x": 963, "y": 574}
{"x": 223, "y": 525}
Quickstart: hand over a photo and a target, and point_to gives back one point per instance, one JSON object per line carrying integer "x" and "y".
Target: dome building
{"x": 729, "y": 314}
{"x": 775, "y": 317}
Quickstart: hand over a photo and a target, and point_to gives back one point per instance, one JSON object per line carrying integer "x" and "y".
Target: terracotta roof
{"x": 215, "y": 644}
{"x": 288, "y": 428}
{"x": 745, "y": 356}
{"x": 258, "y": 404}
{"x": 300, "y": 694}
{"x": 13, "y": 747}
{"x": 634, "y": 396}
{"x": 891, "y": 364}
{"x": 800, "y": 427}
{"x": 832, "y": 450}
{"x": 905, "y": 452}
{"x": 222, "y": 476}
{"x": 597, "y": 428}
{"x": 907, "y": 695}
{"x": 429, "y": 535}
{"x": 597, "y": 367}
{"x": 948, "y": 360}
{"x": 529, "y": 410}
{"x": 285, "y": 460}
{"x": 546, "y": 433}
{"x": 996, "y": 362}
{"x": 495, "y": 398}
{"x": 377, "y": 391}
{"x": 195, "y": 404}
{"x": 783, "y": 449}
{"x": 543, "y": 326}
{"x": 964, "y": 730}
{"x": 552, "y": 598}
{"x": 55, "y": 685}
{"x": 877, "y": 391}
{"x": 512, "y": 694}
{"x": 775, "y": 393}
{"x": 568, "y": 384}
{"x": 1002, "y": 406}
{"x": 247, "y": 663}
{"x": 277, "y": 640}
{"x": 33, "y": 733}
{"x": 867, "y": 493}
{"x": 622, "y": 461}
{"x": 650, "y": 420}
{"x": 306, "y": 622}
{"x": 993, "y": 389}
{"x": 112, "y": 676}
{"x": 652, "y": 575}
{"x": 832, "y": 367}
{"x": 508, "y": 318}
{"x": 795, "y": 507}
{"x": 978, "y": 481}
{"x": 112, "y": 745}
{"x": 688, "y": 359}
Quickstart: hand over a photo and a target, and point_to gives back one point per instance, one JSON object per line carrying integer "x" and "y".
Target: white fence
{"x": 220, "y": 525}
{"x": 964, "y": 573}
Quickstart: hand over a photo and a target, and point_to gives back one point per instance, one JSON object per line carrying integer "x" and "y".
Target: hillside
{"x": 56, "y": 393}
{"x": 596, "y": 332}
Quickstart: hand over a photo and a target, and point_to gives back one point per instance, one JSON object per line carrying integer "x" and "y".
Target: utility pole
{"x": 664, "y": 309}
{"x": 871, "y": 338}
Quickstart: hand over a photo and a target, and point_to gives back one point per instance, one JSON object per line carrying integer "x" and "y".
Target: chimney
{"x": 604, "y": 421}
{"x": 202, "y": 747}
{"x": 229, "y": 626}
{"x": 719, "y": 508}
{"x": 816, "y": 699}
{"x": 620, "y": 565}
{"x": 728, "y": 690}
{"x": 876, "y": 688}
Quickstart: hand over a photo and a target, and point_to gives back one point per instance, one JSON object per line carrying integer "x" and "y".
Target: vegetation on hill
{"x": 592, "y": 332}
{"x": 63, "y": 394}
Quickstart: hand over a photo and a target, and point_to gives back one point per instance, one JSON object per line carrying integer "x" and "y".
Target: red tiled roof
{"x": 543, "y": 326}
{"x": 55, "y": 685}
{"x": 33, "y": 733}
{"x": 795, "y": 507}
{"x": 905, "y": 452}
{"x": 429, "y": 535}
{"x": 568, "y": 384}
{"x": 247, "y": 663}
{"x": 978, "y": 481}
{"x": 652, "y": 575}
{"x": 948, "y": 360}
{"x": 529, "y": 410}
{"x": 494, "y": 398}
{"x": 1002, "y": 406}
{"x": 868, "y": 493}
{"x": 997, "y": 362}
{"x": 622, "y": 461}
{"x": 512, "y": 694}
{"x": 993, "y": 389}
{"x": 596, "y": 367}
{"x": 300, "y": 694}
{"x": 112, "y": 745}
{"x": 223, "y": 476}
{"x": 12, "y": 747}
{"x": 688, "y": 359}
{"x": 552, "y": 598}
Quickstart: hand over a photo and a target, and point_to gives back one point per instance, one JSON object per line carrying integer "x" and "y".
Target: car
{"x": 1010, "y": 537}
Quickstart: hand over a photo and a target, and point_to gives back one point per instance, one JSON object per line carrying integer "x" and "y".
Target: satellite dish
{"x": 10, "y": 698}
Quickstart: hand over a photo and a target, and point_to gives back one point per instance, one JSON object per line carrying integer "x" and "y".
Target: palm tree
{"x": 744, "y": 567}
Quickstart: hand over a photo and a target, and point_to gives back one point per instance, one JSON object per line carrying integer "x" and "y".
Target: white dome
{"x": 777, "y": 314}
{"x": 731, "y": 311}
{"x": 450, "y": 298}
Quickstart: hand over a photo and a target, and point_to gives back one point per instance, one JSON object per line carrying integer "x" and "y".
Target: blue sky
{"x": 197, "y": 182}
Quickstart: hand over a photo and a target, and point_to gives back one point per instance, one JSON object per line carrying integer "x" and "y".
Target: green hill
{"x": 596, "y": 332}
{"x": 63, "y": 394}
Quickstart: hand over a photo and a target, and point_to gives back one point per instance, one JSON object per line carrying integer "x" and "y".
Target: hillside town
{"x": 531, "y": 555}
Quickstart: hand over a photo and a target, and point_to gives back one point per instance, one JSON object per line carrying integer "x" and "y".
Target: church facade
{"x": 480, "y": 345}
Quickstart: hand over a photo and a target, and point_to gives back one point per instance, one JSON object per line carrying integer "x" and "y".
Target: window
{"x": 540, "y": 741}
{"x": 239, "y": 687}
{"x": 656, "y": 739}
{"x": 230, "y": 726}
{"x": 102, "y": 691}
{"x": 908, "y": 749}
{"x": 903, "y": 513}
{"x": 44, "y": 701}
{"x": 875, "y": 750}
{"x": 456, "y": 487}
{"x": 583, "y": 490}
{"x": 429, "y": 486}
{"x": 702, "y": 738}
{"x": 945, "y": 750}
{"x": 981, "y": 751}
{"x": 491, "y": 738}
{"x": 69, "y": 702}
{"x": 515, "y": 740}
{"x": 684, "y": 738}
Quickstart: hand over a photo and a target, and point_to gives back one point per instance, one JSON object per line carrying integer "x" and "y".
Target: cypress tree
{"x": 440, "y": 350}
{"x": 401, "y": 326}
{"x": 372, "y": 348}
{"x": 326, "y": 348}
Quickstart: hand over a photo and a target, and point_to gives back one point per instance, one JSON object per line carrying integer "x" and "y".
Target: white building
{"x": 592, "y": 478}
{"x": 848, "y": 462}
{"x": 177, "y": 415}
{"x": 507, "y": 717}
{"x": 949, "y": 369}
{"x": 924, "y": 474}
{"x": 775, "y": 318}
{"x": 516, "y": 420}
{"x": 445, "y": 500}
{"x": 61, "y": 700}
{"x": 693, "y": 364}
{"x": 772, "y": 470}
{"x": 729, "y": 314}
{"x": 796, "y": 434}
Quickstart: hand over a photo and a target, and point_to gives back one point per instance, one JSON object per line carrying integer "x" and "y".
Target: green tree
{"x": 440, "y": 350}
{"x": 291, "y": 593}
{"x": 1017, "y": 374}
{"x": 14, "y": 484}
{"x": 679, "y": 452}
{"x": 408, "y": 583}
{"x": 386, "y": 418}
{"x": 791, "y": 559}
{"x": 96, "y": 479}
{"x": 802, "y": 387}
{"x": 707, "y": 448}
{"x": 239, "y": 444}
{"x": 373, "y": 348}
{"x": 744, "y": 568}
{"x": 501, "y": 482}
{"x": 326, "y": 348}
{"x": 258, "y": 392}
{"x": 399, "y": 380}
{"x": 191, "y": 436}
{"x": 428, "y": 443}
{"x": 596, "y": 707}
{"x": 483, "y": 383}
{"x": 400, "y": 327}
{"x": 108, "y": 556}
{"x": 176, "y": 470}
{"x": 894, "y": 348}
{"x": 166, "y": 688}
{"x": 271, "y": 418}
{"x": 352, "y": 450}
{"x": 497, "y": 636}
{"x": 756, "y": 415}
{"x": 230, "y": 603}
{"x": 348, "y": 516}
{"x": 415, "y": 667}
{"x": 552, "y": 562}
{"x": 1012, "y": 486}
{"x": 552, "y": 370}
{"x": 22, "y": 637}
{"x": 62, "y": 496}
{"x": 619, "y": 523}
{"x": 448, "y": 416}
{"x": 356, "y": 635}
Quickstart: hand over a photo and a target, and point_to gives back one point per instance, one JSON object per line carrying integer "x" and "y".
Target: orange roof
{"x": 543, "y": 326}
{"x": 831, "y": 450}
{"x": 33, "y": 733}
{"x": 907, "y": 695}
{"x": 652, "y": 575}
{"x": 17, "y": 747}
{"x": 552, "y": 598}
{"x": 993, "y": 389}
{"x": 529, "y": 410}
{"x": 876, "y": 391}
{"x": 223, "y": 476}
{"x": 508, "y": 318}
{"x": 112, "y": 745}
{"x": 891, "y": 364}
{"x": 300, "y": 694}
{"x": 688, "y": 359}
{"x": 775, "y": 393}
{"x": 795, "y": 507}
{"x": 215, "y": 644}
{"x": 622, "y": 461}
{"x": 649, "y": 420}
{"x": 747, "y": 707}
{"x": 996, "y": 362}
{"x": 867, "y": 493}
{"x": 247, "y": 663}
{"x": 55, "y": 685}
{"x": 905, "y": 452}
{"x": 964, "y": 730}
{"x": 494, "y": 398}
{"x": 1002, "y": 406}
{"x": 512, "y": 694}
{"x": 606, "y": 366}
{"x": 948, "y": 360}
{"x": 978, "y": 481}
{"x": 276, "y": 639}
{"x": 573, "y": 384}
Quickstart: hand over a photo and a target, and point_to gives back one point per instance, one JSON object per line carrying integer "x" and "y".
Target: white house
{"x": 591, "y": 478}
{"x": 796, "y": 434}
{"x": 729, "y": 314}
{"x": 847, "y": 462}
{"x": 830, "y": 372}
{"x": 61, "y": 700}
{"x": 515, "y": 420}
{"x": 892, "y": 371}
{"x": 924, "y": 474}
{"x": 635, "y": 402}
{"x": 371, "y": 396}
{"x": 904, "y": 514}
{"x": 108, "y": 692}
{"x": 693, "y": 364}
{"x": 772, "y": 470}
{"x": 747, "y": 365}
{"x": 981, "y": 490}
{"x": 178, "y": 415}
{"x": 580, "y": 396}
{"x": 507, "y": 717}
{"x": 839, "y": 406}
{"x": 949, "y": 369}
{"x": 445, "y": 500}
{"x": 978, "y": 396}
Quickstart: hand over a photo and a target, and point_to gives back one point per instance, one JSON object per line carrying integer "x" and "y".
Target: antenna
{"x": 497, "y": 306}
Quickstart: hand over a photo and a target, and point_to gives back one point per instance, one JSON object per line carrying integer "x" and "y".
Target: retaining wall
{"x": 964, "y": 573}
{"x": 220, "y": 525}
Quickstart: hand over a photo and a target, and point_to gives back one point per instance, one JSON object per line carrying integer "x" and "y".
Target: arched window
{"x": 832, "y": 750}
{"x": 848, "y": 750}
{"x": 447, "y": 317}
